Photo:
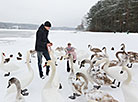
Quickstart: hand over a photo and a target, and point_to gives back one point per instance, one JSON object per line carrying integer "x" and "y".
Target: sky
{"x": 59, "y": 12}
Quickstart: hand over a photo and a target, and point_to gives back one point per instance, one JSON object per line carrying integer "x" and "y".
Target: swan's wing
{"x": 130, "y": 93}
{"x": 51, "y": 95}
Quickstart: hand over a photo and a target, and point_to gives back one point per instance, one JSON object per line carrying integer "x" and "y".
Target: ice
{"x": 14, "y": 41}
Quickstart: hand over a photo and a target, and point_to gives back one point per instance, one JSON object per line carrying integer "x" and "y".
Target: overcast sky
{"x": 59, "y": 12}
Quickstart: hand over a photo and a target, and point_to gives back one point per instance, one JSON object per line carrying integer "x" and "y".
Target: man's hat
{"x": 47, "y": 23}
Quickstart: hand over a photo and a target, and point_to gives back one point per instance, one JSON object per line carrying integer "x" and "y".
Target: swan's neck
{"x": 107, "y": 63}
{"x": 117, "y": 56}
{"x": 105, "y": 53}
{"x": 49, "y": 83}
{"x": 123, "y": 47}
{"x": 90, "y": 47}
{"x": 30, "y": 70}
{"x": 104, "y": 60}
{"x": 28, "y": 61}
{"x": 18, "y": 86}
{"x": 129, "y": 78}
{"x": 85, "y": 79}
{"x": 89, "y": 62}
{"x": 71, "y": 62}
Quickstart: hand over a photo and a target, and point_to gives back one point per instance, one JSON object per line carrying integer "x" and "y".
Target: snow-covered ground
{"x": 14, "y": 41}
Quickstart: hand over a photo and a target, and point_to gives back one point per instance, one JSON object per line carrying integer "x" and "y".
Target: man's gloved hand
{"x": 49, "y": 44}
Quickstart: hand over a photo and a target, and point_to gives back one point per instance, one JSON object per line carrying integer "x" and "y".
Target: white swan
{"x": 26, "y": 78}
{"x": 129, "y": 90}
{"x": 56, "y": 80}
{"x": 8, "y": 67}
{"x": 50, "y": 92}
{"x": 81, "y": 54}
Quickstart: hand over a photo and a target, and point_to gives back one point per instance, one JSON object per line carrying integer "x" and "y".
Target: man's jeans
{"x": 39, "y": 56}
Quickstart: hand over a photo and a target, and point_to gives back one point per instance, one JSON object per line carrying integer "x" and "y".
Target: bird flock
{"x": 86, "y": 76}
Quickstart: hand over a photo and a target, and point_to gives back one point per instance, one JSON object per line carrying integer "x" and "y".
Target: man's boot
{"x": 68, "y": 67}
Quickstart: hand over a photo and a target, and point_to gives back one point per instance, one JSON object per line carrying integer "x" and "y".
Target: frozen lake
{"x": 14, "y": 41}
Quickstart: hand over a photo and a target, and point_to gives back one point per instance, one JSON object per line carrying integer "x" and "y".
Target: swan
{"x": 7, "y": 67}
{"x": 81, "y": 54}
{"x": 60, "y": 52}
{"x": 20, "y": 94}
{"x": 133, "y": 56}
{"x": 72, "y": 80}
{"x": 123, "y": 47}
{"x": 52, "y": 55}
{"x": 95, "y": 75}
{"x": 95, "y": 50}
{"x": 50, "y": 92}
{"x": 26, "y": 78}
{"x": 84, "y": 81}
{"x": 93, "y": 95}
{"x": 74, "y": 84}
{"x": 129, "y": 90}
{"x": 113, "y": 71}
{"x": 56, "y": 81}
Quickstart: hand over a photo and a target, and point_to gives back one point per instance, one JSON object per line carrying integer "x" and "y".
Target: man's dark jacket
{"x": 41, "y": 39}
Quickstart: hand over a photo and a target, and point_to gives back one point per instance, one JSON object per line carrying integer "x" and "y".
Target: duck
{"x": 129, "y": 90}
{"x": 7, "y": 66}
{"x": 24, "y": 80}
{"x": 19, "y": 96}
{"x": 50, "y": 92}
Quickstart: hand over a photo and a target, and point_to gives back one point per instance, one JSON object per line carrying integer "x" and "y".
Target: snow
{"x": 14, "y": 41}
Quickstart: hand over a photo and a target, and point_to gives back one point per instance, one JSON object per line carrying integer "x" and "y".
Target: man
{"x": 41, "y": 46}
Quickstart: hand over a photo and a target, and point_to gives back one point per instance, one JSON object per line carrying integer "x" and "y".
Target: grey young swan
{"x": 96, "y": 75}
{"x": 93, "y": 95}
{"x": 20, "y": 92}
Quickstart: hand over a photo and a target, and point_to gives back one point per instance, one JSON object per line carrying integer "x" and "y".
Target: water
{"x": 16, "y": 33}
